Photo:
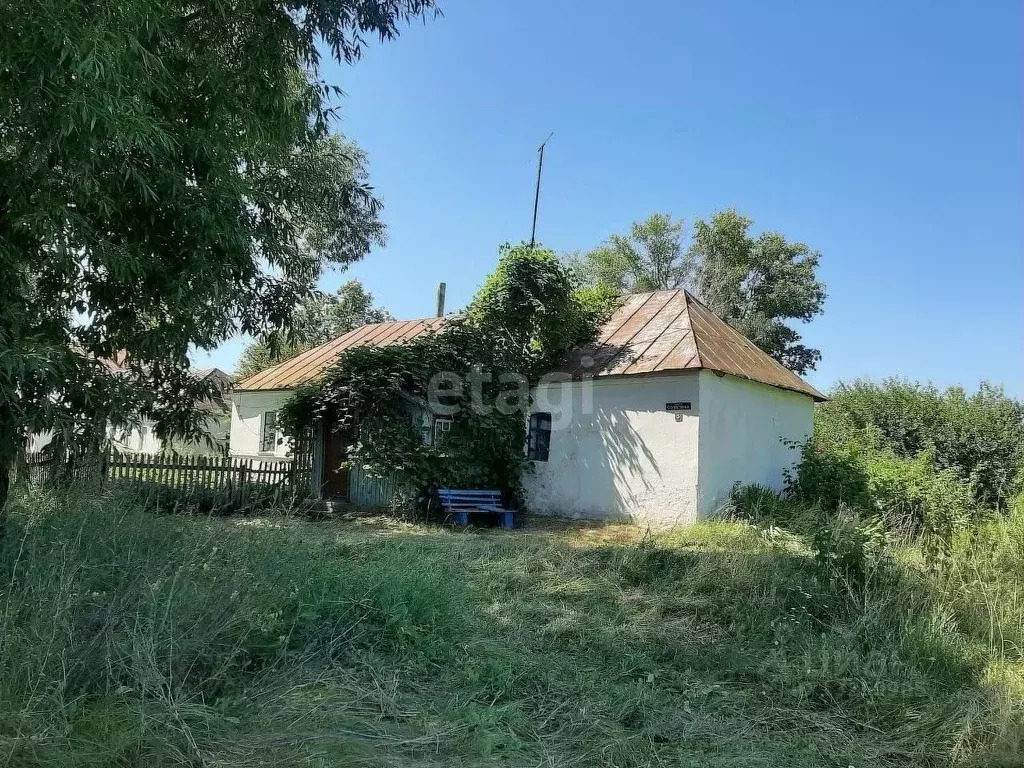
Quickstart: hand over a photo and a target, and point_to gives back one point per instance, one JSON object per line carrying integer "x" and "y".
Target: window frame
{"x": 263, "y": 433}
{"x": 539, "y": 449}
{"x": 434, "y": 441}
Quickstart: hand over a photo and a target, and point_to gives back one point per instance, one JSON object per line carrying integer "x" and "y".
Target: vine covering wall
{"x": 478, "y": 368}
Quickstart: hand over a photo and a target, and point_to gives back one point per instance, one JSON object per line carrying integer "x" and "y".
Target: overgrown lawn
{"x": 132, "y": 638}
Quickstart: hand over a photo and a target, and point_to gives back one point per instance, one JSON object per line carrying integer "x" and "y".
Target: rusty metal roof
{"x": 649, "y": 333}
{"x": 672, "y": 331}
{"x": 308, "y": 365}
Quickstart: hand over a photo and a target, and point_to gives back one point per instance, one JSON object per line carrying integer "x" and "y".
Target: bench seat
{"x": 460, "y": 502}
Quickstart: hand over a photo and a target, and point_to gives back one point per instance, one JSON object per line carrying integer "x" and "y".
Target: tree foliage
{"x": 318, "y": 319}
{"x": 167, "y": 178}
{"x": 525, "y": 317}
{"x": 758, "y": 285}
{"x": 978, "y": 437}
{"x": 650, "y": 258}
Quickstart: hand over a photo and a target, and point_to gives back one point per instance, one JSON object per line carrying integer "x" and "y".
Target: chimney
{"x": 440, "y": 299}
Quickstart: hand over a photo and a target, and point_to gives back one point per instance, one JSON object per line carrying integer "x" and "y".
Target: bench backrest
{"x": 454, "y": 498}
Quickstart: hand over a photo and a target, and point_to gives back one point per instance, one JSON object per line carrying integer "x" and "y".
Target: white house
{"x": 655, "y": 420}
{"x": 139, "y": 436}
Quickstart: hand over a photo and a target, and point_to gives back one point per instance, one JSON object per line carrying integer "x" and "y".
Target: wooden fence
{"x": 366, "y": 489}
{"x": 220, "y": 479}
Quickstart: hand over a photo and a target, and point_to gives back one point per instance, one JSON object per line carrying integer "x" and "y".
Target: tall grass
{"x": 128, "y": 638}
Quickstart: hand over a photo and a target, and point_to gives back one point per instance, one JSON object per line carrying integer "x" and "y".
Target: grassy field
{"x": 130, "y": 638}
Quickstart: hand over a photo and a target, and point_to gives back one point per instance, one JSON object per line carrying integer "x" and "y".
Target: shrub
{"x": 828, "y": 477}
{"x": 768, "y": 509}
{"x": 903, "y": 495}
{"x": 979, "y": 437}
{"x": 911, "y": 493}
{"x": 755, "y": 503}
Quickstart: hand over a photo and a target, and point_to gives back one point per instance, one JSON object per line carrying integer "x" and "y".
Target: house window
{"x": 268, "y": 436}
{"x": 442, "y": 426}
{"x": 539, "y": 438}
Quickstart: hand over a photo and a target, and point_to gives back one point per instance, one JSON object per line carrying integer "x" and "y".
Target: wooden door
{"x": 335, "y": 476}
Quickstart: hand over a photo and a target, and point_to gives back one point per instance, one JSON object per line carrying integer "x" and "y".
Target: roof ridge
{"x": 674, "y": 347}
{"x": 693, "y": 331}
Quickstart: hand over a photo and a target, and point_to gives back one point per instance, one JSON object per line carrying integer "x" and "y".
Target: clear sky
{"x": 886, "y": 135}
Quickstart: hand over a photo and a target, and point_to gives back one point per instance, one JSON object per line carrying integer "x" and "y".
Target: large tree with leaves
{"x": 168, "y": 178}
{"x": 756, "y": 284}
{"x": 650, "y": 258}
{"x": 318, "y": 319}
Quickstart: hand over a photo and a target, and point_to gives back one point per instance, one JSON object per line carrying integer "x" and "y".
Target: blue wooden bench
{"x": 462, "y": 502}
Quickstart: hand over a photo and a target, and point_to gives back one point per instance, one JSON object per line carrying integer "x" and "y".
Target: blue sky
{"x": 888, "y": 136}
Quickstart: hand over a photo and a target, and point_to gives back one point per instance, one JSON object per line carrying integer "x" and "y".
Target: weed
{"x": 129, "y": 638}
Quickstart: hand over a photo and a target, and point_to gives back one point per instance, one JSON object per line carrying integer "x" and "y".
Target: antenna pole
{"x": 536, "y": 194}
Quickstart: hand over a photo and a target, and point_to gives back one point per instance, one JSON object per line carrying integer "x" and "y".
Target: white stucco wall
{"x": 38, "y": 440}
{"x": 742, "y": 427}
{"x": 138, "y": 438}
{"x": 247, "y": 409}
{"x": 616, "y": 452}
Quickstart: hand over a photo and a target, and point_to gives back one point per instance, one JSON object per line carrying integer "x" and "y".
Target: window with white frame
{"x": 442, "y": 426}
{"x": 268, "y": 432}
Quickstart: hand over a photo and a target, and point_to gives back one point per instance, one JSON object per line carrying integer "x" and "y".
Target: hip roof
{"x": 672, "y": 330}
{"x": 661, "y": 331}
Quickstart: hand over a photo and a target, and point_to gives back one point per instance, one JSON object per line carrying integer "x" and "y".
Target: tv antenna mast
{"x": 536, "y": 193}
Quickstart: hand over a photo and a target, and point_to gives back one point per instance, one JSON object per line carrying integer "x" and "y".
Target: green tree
{"x": 167, "y": 178}
{"x": 650, "y": 258}
{"x": 318, "y": 319}
{"x": 757, "y": 284}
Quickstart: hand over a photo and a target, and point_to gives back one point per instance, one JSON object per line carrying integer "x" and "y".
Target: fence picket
{"x": 226, "y": 477}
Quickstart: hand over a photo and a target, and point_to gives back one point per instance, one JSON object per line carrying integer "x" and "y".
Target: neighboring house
{"x": 141, "y": 437}
{"x": 656, "y": 420}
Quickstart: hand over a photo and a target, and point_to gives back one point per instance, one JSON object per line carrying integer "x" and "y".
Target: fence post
{"x": 243, "y": 479}
{"x": 105, "y": 464}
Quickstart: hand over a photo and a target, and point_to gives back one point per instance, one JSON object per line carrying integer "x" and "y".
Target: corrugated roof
{"x": 308, "y": 365}
{"x": 649, "y": 333}
{"x": 673, "y": 331}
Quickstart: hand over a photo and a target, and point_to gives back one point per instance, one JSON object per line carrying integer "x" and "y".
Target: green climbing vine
{"x": 478, "y": 368}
